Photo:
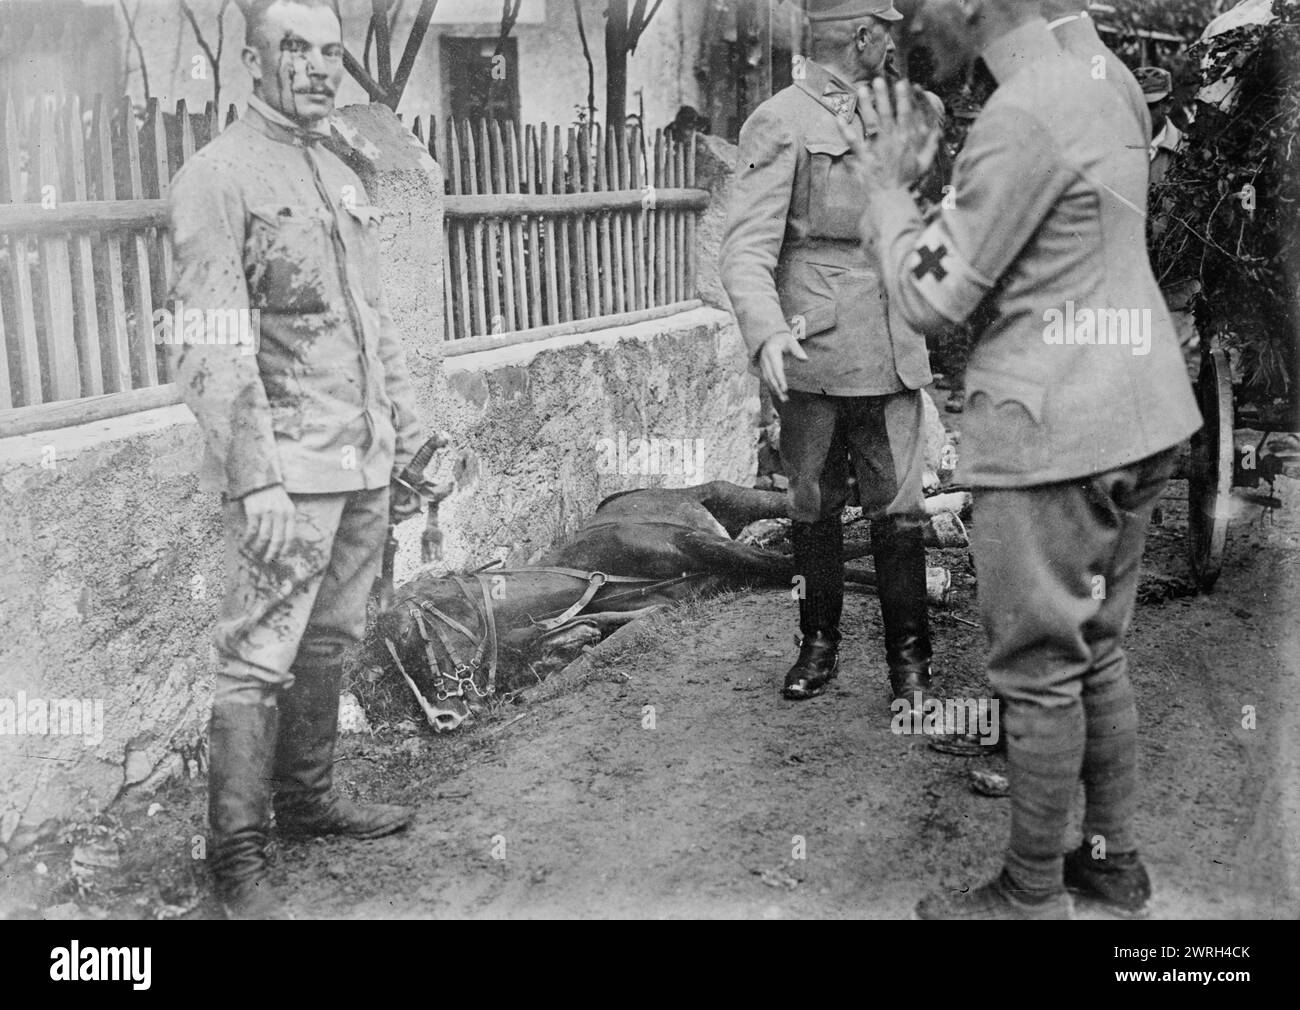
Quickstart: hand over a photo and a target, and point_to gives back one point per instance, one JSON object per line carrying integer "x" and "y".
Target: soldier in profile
{"x": 1068, "y": 443}
{"x": 845, "y": 371}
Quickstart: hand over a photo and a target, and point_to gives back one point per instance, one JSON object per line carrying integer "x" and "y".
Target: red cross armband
{"x": 942, "y": 276}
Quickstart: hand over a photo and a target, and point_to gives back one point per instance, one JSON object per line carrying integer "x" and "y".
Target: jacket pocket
{"x": 284, "y": 396}
{"x": 367, "y": 220}
{"x": 808, "y": 297}
{"x": 834, "y": 206}
{"x": 1004, "y": 428}
{"x": 813, "y": 320}
{"x": 288, "y": 258}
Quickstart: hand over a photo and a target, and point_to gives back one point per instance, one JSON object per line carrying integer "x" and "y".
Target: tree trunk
{"x": 616, "y": 65}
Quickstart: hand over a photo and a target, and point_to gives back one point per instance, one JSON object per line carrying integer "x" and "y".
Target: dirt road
{"x": 676, "y": 782}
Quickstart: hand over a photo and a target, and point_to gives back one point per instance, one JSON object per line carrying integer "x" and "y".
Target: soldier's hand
{"x": 905, "y": 146}
{"x": 268, "y": 522}
{"x": 771, "y": 361}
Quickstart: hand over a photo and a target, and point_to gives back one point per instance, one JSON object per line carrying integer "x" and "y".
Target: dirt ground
{"x": 583, "y": 805}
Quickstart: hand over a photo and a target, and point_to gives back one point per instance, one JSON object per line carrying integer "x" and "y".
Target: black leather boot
{"x": 1119, "y": 882}
{"x": 819, "y": 558}
{"x": 305, "y": 802}
{"x": 817, "y": 665}
{"x": 241, "y": 747}
{"x": 900, "y": 582}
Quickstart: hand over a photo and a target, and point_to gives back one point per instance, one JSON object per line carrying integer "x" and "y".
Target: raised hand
{"x": 901, "y": 151}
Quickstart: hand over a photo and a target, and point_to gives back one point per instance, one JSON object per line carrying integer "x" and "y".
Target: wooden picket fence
{"x": 554, "y": 226}
{"x": 83, "y": 257}
{"x": 543, "y": 229}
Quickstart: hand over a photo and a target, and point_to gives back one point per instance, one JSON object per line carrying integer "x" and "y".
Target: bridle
{"x": 434, "y": 624}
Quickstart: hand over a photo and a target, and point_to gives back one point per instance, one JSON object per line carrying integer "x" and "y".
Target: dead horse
{"x": 457, "y": 639}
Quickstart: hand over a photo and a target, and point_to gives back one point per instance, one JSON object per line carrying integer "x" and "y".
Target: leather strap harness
{"x": 486, "y": 648}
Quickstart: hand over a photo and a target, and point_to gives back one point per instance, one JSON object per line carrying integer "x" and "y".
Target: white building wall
{"x": 553, "y": 73}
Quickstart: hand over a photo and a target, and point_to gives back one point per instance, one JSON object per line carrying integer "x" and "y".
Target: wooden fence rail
{"x": 544, "y": 228}
{"x": 554, "y": 225}
{"x": 84, "y": 261}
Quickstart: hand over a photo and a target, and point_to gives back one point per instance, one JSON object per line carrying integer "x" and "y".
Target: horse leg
{"x": 735, "y": 507}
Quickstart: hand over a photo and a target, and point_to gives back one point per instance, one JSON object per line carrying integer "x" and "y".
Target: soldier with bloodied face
{"x": 303, "y": 439}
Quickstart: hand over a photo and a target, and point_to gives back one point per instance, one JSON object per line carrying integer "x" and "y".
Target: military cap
{"x": 1156, "y": 83}
{"x": 847, "y": 10}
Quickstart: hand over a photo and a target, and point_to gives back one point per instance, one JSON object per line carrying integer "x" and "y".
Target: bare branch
{"x": 591, "y": 66}
{"x": 394, "y": 12}
{"x": 359, "y": 74}
{"x": 639, "y": 23}
{"x": 214, "y": 59}
{"x": 221, "y": 46}
{"x": 139, "y": 49}
{"x": 509, "y": 15}
{"x": 413, "y": 43}
{"x": 383, "y": 43}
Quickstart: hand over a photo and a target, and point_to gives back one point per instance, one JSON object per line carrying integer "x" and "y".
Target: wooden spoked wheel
{"x": 1210, "y": 481}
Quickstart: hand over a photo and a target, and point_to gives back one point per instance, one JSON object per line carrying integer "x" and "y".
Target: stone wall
{"x": 548, "y": 429}
{"x": 110, "y": 565}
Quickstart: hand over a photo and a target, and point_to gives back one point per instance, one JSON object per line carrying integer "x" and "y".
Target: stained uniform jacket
{"x": 791, "y": 259}
{"x": 265, "y": 218}
{"x": 1078, "y": 369}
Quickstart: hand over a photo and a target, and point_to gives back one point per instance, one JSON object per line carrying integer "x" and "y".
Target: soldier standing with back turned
{"x": 1069, "y": 431}
{"x": 844, "y": 371}
{"x": 302, "y": 437}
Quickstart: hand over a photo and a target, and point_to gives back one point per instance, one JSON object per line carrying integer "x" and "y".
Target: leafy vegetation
{"x": 1225, "y": 214}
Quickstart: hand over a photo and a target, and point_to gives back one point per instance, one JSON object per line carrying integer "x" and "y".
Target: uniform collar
{"x": 1075, "y": 26}
{"x": 833, "y": 93}
{"x": 278, "y": 126}
{"x": 1053, "y": 25}
{"x": 1031, "y": 42}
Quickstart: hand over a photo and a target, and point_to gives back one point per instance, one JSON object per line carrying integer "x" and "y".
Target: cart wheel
{"x": 1210, "y": 481}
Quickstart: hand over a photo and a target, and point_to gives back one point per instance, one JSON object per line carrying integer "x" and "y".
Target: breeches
{"x": 878, "y": 439}
{"x": 308, "y": 604}
{"x": 1058, "y": 574}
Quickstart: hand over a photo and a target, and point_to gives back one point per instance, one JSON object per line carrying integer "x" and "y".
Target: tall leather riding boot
{"x": 900, "y": 581}
{"x": 819, "y": 558}
{"x": 241, "y": 747}
{"x": 305, "y": 802}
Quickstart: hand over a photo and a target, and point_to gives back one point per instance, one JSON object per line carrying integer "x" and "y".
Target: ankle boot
{"x": 1118, "y": 882}
{"x": 305, "y": 802}
{"x": 818, "y": 557}
{"x": 817, "y": 665}
{"x": 900, "y": 581}
{"x": 241, "y": 746}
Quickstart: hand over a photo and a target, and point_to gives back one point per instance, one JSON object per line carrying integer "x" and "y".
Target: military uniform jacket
{"x": 791, "y": 257}
{"x": 265, "y": 218}
{"x": 1078, "y": 369}
{"x": 1078, "y": 36}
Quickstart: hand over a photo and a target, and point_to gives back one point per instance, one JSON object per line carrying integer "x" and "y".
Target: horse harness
{"x": 429, "y": 618}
